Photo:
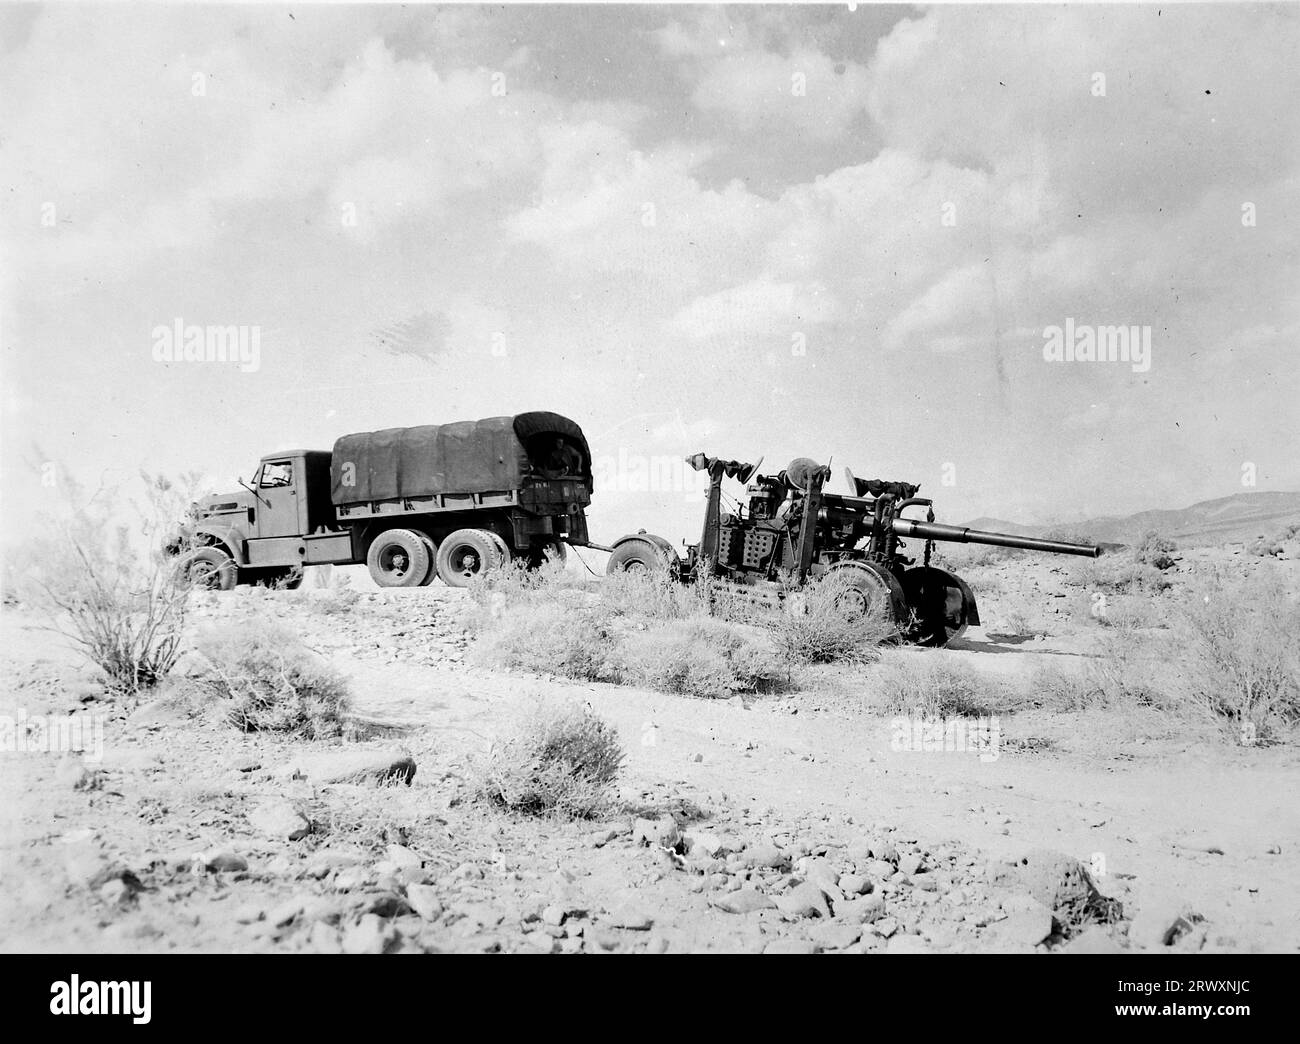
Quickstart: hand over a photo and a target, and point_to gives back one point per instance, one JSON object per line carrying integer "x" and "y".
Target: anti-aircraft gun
{"x": 790, "y": 533}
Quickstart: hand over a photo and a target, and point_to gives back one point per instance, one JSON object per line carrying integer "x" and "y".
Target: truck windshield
{"x": 277, "y": 474}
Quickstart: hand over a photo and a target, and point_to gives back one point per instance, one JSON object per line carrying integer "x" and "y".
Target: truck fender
{"x": 226, "y": 538}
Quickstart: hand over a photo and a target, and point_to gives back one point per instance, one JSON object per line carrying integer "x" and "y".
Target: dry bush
{"x": 1120, "y": 573}
{"x": 1241, "y": 658}
{"x": 558, "y": 760}
{"x": 340, "y": 598}
{"x": 700, "y": 656}
{"x": 1155, "y": 550}
{"x": 109, "y": 586}
{"x": 1265, "y": 548}
{"x": 267, "y": 680}
{"x": 549, "y": 638}
{"x": 1226, "y": 656}
{"x": 816, "y": 629}
{"x": 930, "y": 685}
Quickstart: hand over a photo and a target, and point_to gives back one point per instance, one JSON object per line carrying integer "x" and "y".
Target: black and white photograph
{"x": 557, "y": 479}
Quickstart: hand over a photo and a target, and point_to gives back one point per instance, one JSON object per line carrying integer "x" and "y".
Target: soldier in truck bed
{"x": 560, "y": 458}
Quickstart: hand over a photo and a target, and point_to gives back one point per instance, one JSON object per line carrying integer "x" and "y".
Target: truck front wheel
{"x": 398, "y": 558}
{"x": 210, "y": 567}
{"x": 465, "y": 555}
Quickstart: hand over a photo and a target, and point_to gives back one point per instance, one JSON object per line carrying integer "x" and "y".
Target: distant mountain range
{"x": 1242, "y": 516}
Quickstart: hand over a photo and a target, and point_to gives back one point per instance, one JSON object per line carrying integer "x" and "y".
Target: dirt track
{"x": 812, "y": 771}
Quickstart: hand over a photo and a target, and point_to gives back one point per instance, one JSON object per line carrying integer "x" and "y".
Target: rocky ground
{"x": 784, "y": 823}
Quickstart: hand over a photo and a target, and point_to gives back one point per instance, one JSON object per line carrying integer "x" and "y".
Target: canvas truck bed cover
{"x": 480, "y": 456}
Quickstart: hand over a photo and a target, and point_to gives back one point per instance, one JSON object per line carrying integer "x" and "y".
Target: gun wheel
{"x": 865, "y": 591}
{"x": 941, "y": 604}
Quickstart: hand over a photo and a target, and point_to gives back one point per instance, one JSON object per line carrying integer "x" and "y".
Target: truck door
{"x": 282, "y": 504}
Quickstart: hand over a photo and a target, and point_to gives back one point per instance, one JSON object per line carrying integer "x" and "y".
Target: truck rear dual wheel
{"x": 400, "y": 558}
{"x": 468, "y": 554}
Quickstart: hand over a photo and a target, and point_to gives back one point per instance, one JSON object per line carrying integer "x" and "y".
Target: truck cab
{"x": 281, "y": 520}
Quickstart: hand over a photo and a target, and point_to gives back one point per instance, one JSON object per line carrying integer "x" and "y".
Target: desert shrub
{"x": 558, "y": 760}
{"x": 1120, "y": 573}
{"x": 643, "y": 596}
{"x": 1226, "y": 656}
{"x": 549, "y": 638}
{"x": 816, "y": 629}
{"x": 1155, "y": 550}
{"x": 109, "y": 586}
{"x": 1057, "y": 688}
{"x": 1264, "y": 548}
{"x": 267, "y": 680}
{"x": 340, "y": 597}
{"x": 1241, "y": 657}
{"x": 928, "y": 685}
{"x": 1069, "y": 535}
{"x": 700, "y": 656}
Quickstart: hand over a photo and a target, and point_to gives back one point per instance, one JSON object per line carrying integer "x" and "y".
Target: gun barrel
{"x": 958, "y": 534}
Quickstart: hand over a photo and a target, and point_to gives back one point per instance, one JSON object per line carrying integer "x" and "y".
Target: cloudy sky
{"x": 750, "y": 230}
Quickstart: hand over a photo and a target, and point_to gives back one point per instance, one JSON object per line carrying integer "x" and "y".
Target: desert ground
{"x": 776, "y": 818}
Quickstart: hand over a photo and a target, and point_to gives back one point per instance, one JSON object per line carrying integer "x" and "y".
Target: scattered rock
{"x": 798, "y": 946}
{"x": 836, "y": 936}
{"x": 705, "y": 843}
{"x": 1095, "y": 939}
{"x": 661, "y": 832}
{"x": 360, "y": 766}
{"x": 630, "y": 920}
{"x": 854, "y": 884}
{"x": 424, "y": 901}
{"x": 246, "y": 764}
{"x": 744, "y": 901}
{"x": 369, "y": 935}
{"x": 907, "y": 944}
{"x": 1025, "y": 927}
{"x": 116, "y": 892}
{"x": 351, "y": 877}
{"x": 1062, "y": 884}
{"x": 910, "y": 865}
{"x": 861, "y": 911}
{"x": 276, "y": 818}
{"x": 885, "y": 851}
{"x": 388, "y": 904}
{"x": 880, "y": 870}
{"x": 804, "y": 900}
{"x": 1161, "y": 920}
{"x": 74, "y": 773}
{"x": 284, "y": 913}
{"x": 401, "y": 856}
{"x": 765, "y": 855}
{"x": 224, "y": 861}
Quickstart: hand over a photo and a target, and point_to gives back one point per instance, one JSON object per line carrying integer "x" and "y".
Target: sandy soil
{"x": 125, "y": 853}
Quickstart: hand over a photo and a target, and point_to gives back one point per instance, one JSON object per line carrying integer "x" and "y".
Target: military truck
{"x": 441, "y": 500}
